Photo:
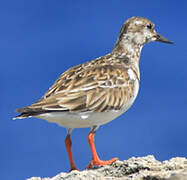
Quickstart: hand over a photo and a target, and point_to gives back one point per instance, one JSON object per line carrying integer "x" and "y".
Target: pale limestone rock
{"x": 141, "y": 168}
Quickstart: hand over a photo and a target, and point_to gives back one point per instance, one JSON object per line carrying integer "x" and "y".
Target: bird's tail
{"x": 26, "y": 112}
{"x": 22, "y": 116}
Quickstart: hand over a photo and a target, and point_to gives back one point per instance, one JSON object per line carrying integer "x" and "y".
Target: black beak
{"x": 163, "y": 39}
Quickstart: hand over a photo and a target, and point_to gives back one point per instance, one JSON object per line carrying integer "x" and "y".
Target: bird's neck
{"x": 126, "y": 45}
{"x": 126, "y": 48}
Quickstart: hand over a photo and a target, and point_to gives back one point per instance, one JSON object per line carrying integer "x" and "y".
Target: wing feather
{"x": 97, "y": 88}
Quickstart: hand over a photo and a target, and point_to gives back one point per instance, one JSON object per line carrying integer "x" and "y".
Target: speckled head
{"x": 140, "y": 31}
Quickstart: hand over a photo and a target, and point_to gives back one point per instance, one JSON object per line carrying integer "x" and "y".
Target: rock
{"x": 141, "y": 168}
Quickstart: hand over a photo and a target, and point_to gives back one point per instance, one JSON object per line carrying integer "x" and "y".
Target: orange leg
{"x": 95, "y": 158}
{"x": 68, "y": 144}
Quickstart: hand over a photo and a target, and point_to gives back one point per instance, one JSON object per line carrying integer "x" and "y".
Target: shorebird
{"x": 96, "y": 92}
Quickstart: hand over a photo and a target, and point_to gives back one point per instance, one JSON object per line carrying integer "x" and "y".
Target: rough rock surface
{"x": 141, "y": 168}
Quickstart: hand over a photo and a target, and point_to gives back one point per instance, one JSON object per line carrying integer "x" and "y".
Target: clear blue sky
{"x": 40, "y": 39}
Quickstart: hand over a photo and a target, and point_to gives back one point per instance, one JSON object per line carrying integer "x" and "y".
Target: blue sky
{"x": 41, "y": 39}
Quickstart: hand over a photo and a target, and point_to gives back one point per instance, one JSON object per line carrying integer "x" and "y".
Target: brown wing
{"x": 99, "y": 88}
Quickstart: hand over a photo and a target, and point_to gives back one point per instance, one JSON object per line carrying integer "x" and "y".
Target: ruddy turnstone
{"x": 96, "y": 92}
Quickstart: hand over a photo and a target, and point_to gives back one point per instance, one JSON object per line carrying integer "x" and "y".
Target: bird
{"x": 98, "y": 91}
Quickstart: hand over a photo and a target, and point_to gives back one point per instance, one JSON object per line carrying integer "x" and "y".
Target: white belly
{"x": 80, "y": 120}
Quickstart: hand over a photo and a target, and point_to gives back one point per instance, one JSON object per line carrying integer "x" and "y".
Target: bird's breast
{"x": 132, "y": 89}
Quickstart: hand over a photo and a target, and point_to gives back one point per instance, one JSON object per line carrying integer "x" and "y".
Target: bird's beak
{"x": 162, "y": 39}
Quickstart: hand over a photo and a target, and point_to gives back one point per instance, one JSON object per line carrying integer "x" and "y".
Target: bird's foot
{"x": 73, "y": 168}
{"x": 100, "y": 162}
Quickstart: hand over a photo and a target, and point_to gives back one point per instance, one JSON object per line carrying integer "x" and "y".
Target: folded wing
{"x": 96, "y": 89}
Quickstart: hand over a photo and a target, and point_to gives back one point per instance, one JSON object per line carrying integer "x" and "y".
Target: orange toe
{"x": 101, "y": 163}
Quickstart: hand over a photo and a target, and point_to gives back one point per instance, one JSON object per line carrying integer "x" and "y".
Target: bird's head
{"x": 139, "y": 31}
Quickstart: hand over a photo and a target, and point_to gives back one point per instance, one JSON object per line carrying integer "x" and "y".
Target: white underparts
{"x": 131, "y": 74}
{"x": 80, "y": 120}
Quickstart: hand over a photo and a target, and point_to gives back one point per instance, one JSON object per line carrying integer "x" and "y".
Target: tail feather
{"x": 27, "y": 109}
{"x": 27, "y": 112}
{"x": 21, "y": 116}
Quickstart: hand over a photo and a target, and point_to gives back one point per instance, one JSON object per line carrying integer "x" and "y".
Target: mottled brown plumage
{"x": 99, "y": 85}
{"x": 96, "y": 92}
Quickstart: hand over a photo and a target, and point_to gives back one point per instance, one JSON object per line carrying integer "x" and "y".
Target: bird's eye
{"x": 149, "y": 26}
